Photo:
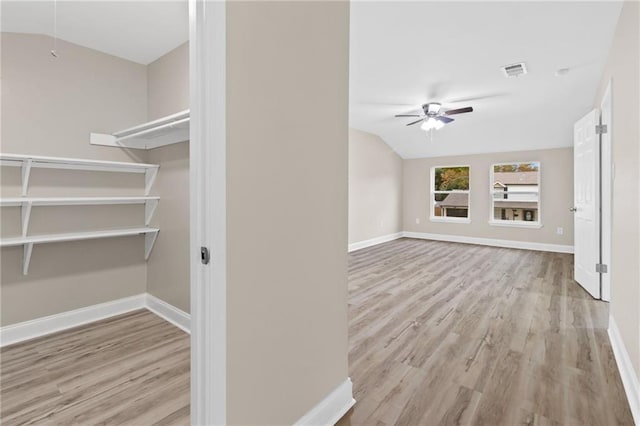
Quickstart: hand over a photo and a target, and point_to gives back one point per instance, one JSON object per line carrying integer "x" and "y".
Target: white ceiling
{"x": 140, "y": 31}
{"x": 404, "y": 54}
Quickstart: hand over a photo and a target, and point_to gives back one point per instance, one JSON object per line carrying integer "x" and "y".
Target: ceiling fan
{"x": 434, "y": 117}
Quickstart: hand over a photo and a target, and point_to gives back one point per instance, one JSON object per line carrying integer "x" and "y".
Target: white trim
{"x": 208, "y": 223}
{"x": 168, "y": 312}
{"x": 627, "y": 373}
{"x": 606, "y": 176}
{"x": 516, "y": 224}
{"x": 331, "y": 409}
{"x": 525, "y": 245}
{"x": 374, "y": 241}
{"x": 22, "y": 331}
{"x": 38, "y": 327}
{"x": 449, "y": 219}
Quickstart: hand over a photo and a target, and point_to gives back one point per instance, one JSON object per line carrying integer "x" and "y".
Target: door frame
{"x": 606, "y": 191}
{"x": 207, "y": 76}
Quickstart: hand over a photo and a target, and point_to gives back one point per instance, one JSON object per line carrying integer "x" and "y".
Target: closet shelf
{"x": 150, "y": 237}
{"x": 70, "y": 201}
{"x": 27, "y": 162}
{"x": 164, "y": 131}
{"x": 26, "y": 203}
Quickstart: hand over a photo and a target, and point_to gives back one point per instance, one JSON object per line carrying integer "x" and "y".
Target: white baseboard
{"x": 557, "y": 248}
{"x": 331, "y": 409}
{"x": 630, "y": 379}
{"x": 27, "y": 330}
{"x": 168, "y": 312}
{"x": 46, "y": 325}
{"x": 374, "y": 241}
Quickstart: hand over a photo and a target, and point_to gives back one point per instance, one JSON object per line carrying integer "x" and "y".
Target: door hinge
{"x": 205, "y": 256}
{"x": 601, "y": 129}
{"x": 601, "y": 268}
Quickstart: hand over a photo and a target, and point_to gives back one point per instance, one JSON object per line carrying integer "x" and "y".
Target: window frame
{"x": 514, "y": 223}
{"x": 433, "y": 192}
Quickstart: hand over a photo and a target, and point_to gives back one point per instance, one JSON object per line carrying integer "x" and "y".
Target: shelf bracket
{"x": 149, "y": 209}
{"x": 26, "y": 172}
{"x": 149, "y": 241}
{"x": 26, "y": 258}
{"x": 149, "y": 178}
{"x": 26, "y": 215}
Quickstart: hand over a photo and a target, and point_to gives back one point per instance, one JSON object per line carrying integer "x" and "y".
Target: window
{"x": 515, "y": 194}
{"x": 450, "y": 194}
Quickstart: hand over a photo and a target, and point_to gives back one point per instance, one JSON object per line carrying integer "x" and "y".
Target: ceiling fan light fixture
{"x": 439, "y": 125}
{"x": 430, "y": 123}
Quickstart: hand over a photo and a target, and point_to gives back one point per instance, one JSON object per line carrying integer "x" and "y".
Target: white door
{"x": 586, "y": 193}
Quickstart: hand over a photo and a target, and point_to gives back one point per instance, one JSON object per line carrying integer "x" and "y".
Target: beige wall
{"x": 375, "y": 187}
{"x": 49, "y": 107}
{"x": 168, "y": 267}
{"x": 623, "y": 69}
{"x": 287, "y": 148}
{"x": 168, "y": 83}
{"x": 556, "y": 187}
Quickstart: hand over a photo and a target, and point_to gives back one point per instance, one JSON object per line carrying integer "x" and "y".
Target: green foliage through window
{"x": 516, "y": 167}
{"x": 451, "y": 178}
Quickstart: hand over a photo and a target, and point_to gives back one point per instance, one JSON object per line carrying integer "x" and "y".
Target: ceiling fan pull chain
{"x": 54, "y": 51}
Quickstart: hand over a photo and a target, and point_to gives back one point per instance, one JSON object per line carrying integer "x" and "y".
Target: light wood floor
{"x": 131, "y": 369}
{"x": 440, "y": 333}
{"x": 443, "y": 333}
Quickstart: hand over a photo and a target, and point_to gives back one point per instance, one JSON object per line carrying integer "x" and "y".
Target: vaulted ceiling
{"x": 140, "y": 31}
{"x": 404, "y": 54}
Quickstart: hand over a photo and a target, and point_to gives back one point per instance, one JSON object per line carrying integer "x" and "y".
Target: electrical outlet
{"x": 417, "y": 221}
{"x": 559, "y": 230}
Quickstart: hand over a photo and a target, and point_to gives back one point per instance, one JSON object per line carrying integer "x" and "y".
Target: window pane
{"x": 515, "y": 213}
{"x": 516, "y": 191}
{"x": 453, "y": 204}
{"x": 451, "y": 178}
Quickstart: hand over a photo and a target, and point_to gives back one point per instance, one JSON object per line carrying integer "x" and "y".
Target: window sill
{"x": 515, "y": 224}
{"x": 444, "y": 219}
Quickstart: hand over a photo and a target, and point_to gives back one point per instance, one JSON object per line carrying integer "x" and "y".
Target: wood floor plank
{"x": 440, "y": 334}
{"x": 487, "y": 335}
{"x": 131, "y": 369}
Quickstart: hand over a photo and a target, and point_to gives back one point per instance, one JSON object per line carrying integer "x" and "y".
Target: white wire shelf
{"x": 28, "y": 162}
{"x": 26, "y": 204}
{"x": 29, "y": 241}
{"x": 163, "y": 131}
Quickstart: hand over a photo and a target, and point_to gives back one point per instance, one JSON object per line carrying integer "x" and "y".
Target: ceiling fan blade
{"x": 445, "y": 120}
{"x": 459, "y": 111}
{"x": 414, "y": 122}
{"x": 408, "y": 115}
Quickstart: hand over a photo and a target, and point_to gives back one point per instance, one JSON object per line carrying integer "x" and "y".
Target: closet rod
{"x": 153, "y": 129}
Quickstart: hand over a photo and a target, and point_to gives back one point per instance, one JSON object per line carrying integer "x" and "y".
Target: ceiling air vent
{"x": 514, "y": 70}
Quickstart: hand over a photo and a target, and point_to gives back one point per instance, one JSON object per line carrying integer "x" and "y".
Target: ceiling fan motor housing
{"x": 431, "y": 109}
